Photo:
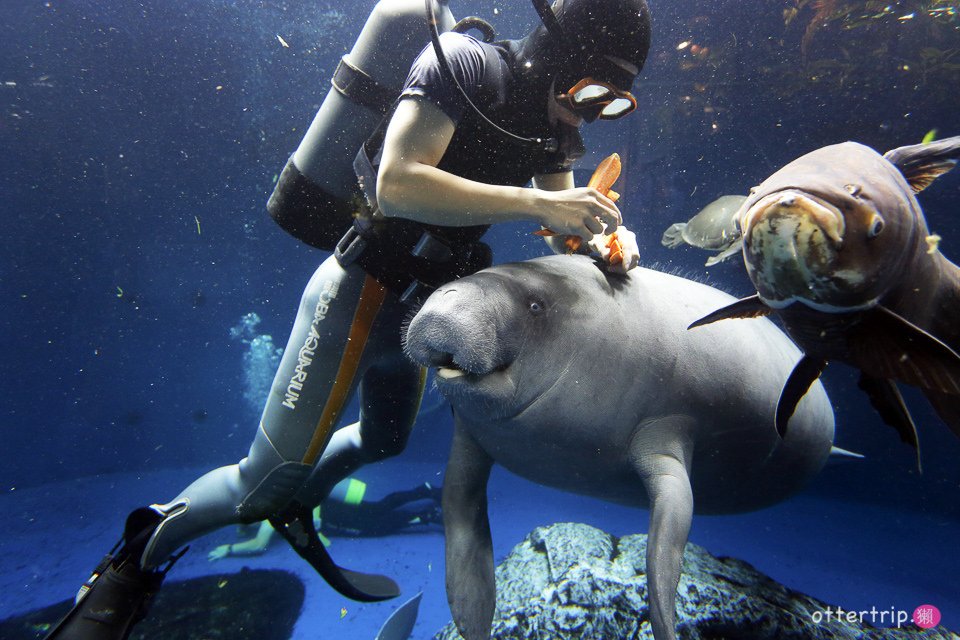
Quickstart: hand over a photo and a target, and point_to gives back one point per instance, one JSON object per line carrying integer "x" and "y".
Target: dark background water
{"x": 141, "y": 140}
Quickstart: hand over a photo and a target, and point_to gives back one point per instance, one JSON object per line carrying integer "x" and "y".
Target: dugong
{"x": 590, "y": 382}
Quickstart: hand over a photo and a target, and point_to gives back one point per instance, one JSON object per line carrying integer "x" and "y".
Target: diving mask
{"x": 594, "y": 99}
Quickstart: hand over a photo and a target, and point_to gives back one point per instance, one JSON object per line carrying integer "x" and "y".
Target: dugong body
{"x": 591, "y": 383}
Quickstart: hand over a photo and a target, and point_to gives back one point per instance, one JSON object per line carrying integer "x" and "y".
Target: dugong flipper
{"x": 471, "y": 594}
{"x": 590, "y": 383}
{"x": 660, "y": 454}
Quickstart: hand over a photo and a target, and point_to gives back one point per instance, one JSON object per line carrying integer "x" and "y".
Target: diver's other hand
{"x": 582, "y": 212}
{"x": 219, "y": 553}
{"x": 627, "y": 244}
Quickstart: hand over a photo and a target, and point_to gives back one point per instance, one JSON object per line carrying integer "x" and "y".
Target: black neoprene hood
{"x": 592, "y": 30}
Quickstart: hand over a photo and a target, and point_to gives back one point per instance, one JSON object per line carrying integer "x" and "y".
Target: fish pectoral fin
{"x": 750, "y": 307}
{"x": 471, "y": 590}
{"x": 886, "y": 399}
{"x": 673, "y": 236}
{"x": 886, "y": 345}
{"x": 804, "y": 374}
{"x": 947, "y": 407}
{"x": 921, "y": 164}
{"x": 732, "y": 250}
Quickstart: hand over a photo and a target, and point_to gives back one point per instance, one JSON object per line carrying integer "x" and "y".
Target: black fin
{"x": 885, "y": 345}
{"x": 296, "y": 527}
{"x": 947, "y": 407}
{"x": 886, "y": 399}
{"x": 751, "y": 307}
{"x": 804, "y": 374}
{"x": 921, "y": 164}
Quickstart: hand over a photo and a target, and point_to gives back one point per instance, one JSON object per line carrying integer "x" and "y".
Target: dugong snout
{"x": 456, "y": 331}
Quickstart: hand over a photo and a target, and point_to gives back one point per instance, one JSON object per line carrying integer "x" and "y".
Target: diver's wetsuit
{"x": 347, "y": 332}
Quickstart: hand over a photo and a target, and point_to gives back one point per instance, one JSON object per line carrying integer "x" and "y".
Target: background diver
{"x": 470, "y": 128}
{"x": 346, "y": 512}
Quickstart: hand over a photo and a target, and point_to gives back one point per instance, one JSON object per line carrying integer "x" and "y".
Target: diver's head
{"x": 591, "y": 54}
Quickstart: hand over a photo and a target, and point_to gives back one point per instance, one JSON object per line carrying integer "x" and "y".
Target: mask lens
{"x": 590, "y": 93}
{"x": 617, "y": 108}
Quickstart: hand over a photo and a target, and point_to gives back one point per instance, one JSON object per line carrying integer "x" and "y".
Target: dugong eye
{"x": 876, "y": 226}
{"x": 536, "y": 307}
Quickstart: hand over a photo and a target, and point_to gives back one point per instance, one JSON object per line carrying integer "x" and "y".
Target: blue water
{"x": 138, "y": 145}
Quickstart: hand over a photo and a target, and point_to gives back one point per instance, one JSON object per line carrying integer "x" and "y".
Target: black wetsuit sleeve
{"x": 427, "y": 80}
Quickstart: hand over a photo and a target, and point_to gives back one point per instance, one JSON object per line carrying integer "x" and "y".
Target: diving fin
{"x": 296, "y": 526}
{"x": 885, "y": 345}
{"x": 886, "y": 399}
{"x": 400, "y": 624}
{"x": 750, "y": 307}
{"x": 118, "y": 593}
{"x": 804, "y": 374}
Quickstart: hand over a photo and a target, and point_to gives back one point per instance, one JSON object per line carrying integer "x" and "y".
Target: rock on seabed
{"x": 571, "y": 580}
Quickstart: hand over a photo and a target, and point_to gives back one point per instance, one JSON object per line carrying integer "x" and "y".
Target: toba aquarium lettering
{"x": 309, "y": 348}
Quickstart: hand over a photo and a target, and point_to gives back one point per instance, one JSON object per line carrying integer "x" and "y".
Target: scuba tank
{"x": 316, "y": 194}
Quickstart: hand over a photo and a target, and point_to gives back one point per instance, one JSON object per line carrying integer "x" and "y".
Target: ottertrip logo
{"x": 309, "y": 348}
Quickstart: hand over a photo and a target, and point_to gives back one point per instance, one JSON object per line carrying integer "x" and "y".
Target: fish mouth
{"x": 795, "y": 203}
{"x": 792, "y": 245}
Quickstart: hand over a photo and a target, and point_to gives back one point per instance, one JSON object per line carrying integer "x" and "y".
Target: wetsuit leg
{"x": 390, "y": 394}
{"x": 318, "y": 373}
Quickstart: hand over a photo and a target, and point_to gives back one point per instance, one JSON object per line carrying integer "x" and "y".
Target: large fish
{"x": 837, "y": 246}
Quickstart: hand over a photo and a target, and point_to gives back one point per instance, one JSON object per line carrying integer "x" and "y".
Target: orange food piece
{"x": 603, "y": 179}
{"x": 606, "y": 174}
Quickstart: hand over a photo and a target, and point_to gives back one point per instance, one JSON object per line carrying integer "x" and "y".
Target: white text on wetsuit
{"x": 309, "y": 348}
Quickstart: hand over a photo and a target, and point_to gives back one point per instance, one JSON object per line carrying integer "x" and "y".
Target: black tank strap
{"x": 358, "y": 87}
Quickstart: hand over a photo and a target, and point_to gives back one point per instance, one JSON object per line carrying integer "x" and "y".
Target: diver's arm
{"x": 411, "y": 186}
{"x": 628, "y": 241}
{"x": 252, "y": 547}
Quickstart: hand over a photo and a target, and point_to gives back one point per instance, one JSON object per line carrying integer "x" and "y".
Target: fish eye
{"x": 536, "y": 307}
{"x": 853, "y": 189}
{"x": 876, "y": 226}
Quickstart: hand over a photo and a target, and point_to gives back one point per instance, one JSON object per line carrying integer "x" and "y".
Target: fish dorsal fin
{"x": 921, "y": 164}
{"x": 804, "y": 374}
{"x": 886, "y": 399}
{"x": 886, "y": 345}
{"x": 751, "y": 307}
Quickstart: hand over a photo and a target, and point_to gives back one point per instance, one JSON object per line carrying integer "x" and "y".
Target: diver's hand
{"x": 219, "y": 553}
{"x": 630, "y": 252}
{"x": 582, "y": 212}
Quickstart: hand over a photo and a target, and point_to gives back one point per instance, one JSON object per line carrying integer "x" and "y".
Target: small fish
{"x": 197, "y": 220}
{"x": 929, "y": 137}
{"x": 222, "y": 583}
{"x": 343, "y": 612}
{"x": 713, "y": 228}
{"x": 283, "y": 42}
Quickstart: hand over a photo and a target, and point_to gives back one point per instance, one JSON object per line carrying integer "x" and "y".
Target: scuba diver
{"x": 345, "y": 512}
{"x": 444, "y": 154}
